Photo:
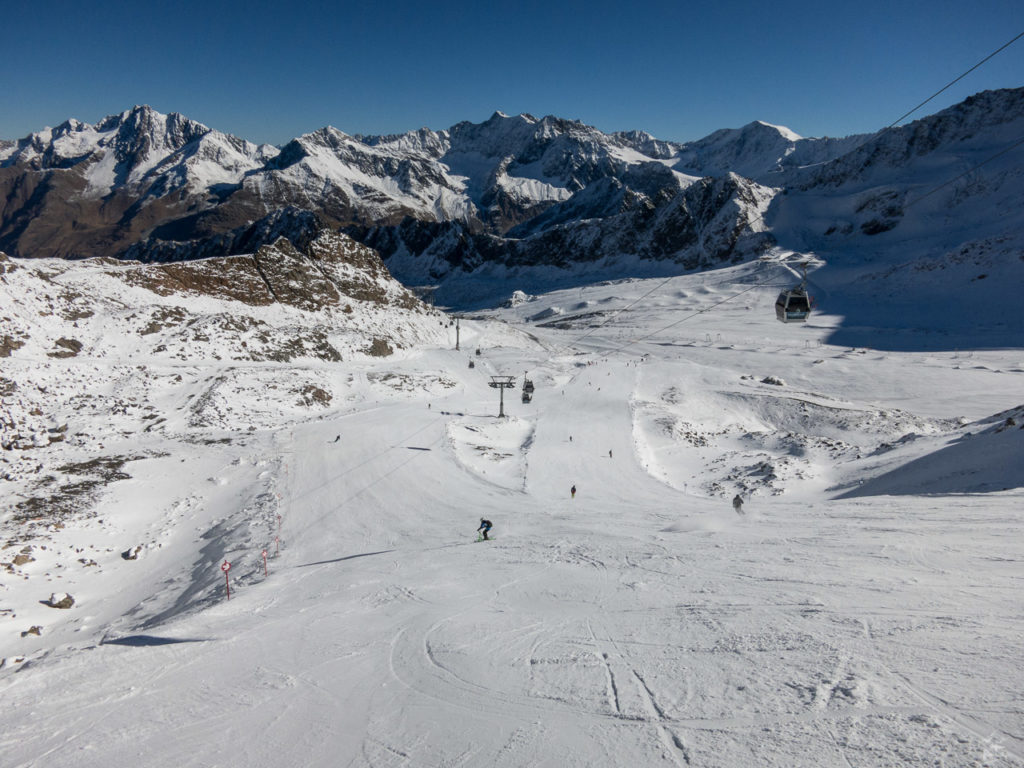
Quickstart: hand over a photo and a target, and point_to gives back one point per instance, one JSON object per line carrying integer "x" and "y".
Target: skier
{"x": 573, "y": 491}
{"x": 337, "y": 438}
{"x": 485, "y": 526}
{"x": 737, "y": 504}
{"x": 609, "y": 453}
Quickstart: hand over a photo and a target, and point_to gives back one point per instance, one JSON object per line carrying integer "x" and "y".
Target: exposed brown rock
{"x": 8, "y": 344}
{"x": 335, "y": 266}
{"x": 379, "y": 348}
{"x": 68, "y": 348}
{"x": 234, "y": 278}
{"x": 312, "y": 394}
{"x": 61, "y": 600}
{"x": 292, "y": 278}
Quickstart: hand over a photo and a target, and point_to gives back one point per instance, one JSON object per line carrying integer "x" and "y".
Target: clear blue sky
{"x": 269, "y": 71}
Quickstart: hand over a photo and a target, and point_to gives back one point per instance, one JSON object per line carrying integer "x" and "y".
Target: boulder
{"x": 61, "y": 600}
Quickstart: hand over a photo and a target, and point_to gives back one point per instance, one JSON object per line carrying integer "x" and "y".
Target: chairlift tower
{"x": 501, "y": 383}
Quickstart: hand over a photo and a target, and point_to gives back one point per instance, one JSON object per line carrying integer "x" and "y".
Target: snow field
{"x": 642, "y": 622}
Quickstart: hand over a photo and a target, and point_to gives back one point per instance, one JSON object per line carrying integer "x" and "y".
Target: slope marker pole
{"x": 226, "y": 566}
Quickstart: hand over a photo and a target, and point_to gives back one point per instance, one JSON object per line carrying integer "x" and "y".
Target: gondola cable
{"x": 760, "y": 217}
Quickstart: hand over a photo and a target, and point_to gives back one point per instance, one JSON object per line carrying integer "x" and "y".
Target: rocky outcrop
{"x": 60, "y": 600}
{"x": 330, "y": 271}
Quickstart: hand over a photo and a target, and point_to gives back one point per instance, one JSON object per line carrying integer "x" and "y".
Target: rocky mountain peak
{"x": 140, "y": 132}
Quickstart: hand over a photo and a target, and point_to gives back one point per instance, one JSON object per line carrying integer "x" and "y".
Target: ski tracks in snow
{"x": 983, "y": 731}
{"x": 654, "y": 713}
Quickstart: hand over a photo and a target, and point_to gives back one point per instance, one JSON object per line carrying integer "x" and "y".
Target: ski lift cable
{"x": 373, "y": 483}
{"x": 575, "y": 341}
{"x": 662, "y": 283}
{"x": 954, "y": 81}
{"x": 631, "y": 342}
{"x": 894, "y": 123}
{"x": 373, "y": 457}
{"x": 760, "y": 217}
{"x": 965, "y": 173}
{"x": 623, "y": 309}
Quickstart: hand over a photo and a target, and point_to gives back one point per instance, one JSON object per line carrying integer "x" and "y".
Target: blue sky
{"x": 269, "y": 71}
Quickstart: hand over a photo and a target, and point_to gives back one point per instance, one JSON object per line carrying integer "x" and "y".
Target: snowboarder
{"x": 485, "y": 526}
{"x": 337, "y": 438}
{"x": 572, "y": 491}
{"x": 737, "y": 504}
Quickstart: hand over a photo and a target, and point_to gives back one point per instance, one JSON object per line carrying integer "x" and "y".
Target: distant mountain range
{"x": 536, "y": 201}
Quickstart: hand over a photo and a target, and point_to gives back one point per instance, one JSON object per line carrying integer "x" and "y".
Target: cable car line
{"x": 952, "y": 82}
{"x": 969, "y": 170}
{"x": 631, "y": 342}
{"x": 894, "y": 123}
{"x": 794, "y": 305}
{"x": 618, "y": 312}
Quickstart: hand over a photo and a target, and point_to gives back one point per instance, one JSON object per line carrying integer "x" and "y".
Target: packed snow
{"x": 863, "y": 609}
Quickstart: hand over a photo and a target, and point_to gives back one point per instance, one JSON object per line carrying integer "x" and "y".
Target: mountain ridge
{"x": 529, "y": 194}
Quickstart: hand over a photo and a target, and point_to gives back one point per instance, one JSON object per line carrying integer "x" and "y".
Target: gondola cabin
{"x": 793, "y": 306}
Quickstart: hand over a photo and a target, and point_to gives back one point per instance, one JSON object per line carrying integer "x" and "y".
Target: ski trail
{"x": 671, "y": 741}
{"x": 978, "y": 728}
{"x": 612, "y": 688}
{"x": 825, "y": 691}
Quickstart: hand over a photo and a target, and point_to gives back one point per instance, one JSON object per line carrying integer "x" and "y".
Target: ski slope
{"x": 641, "y": 623}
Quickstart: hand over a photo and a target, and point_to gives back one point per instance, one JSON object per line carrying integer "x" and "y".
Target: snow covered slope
{"x": 864, "y": 610}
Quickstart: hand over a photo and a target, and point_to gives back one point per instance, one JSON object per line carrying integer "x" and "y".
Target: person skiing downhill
{"x": 572, "y": 491}
{"x": 485, "y": 526}
{"x": 737, "y": 504}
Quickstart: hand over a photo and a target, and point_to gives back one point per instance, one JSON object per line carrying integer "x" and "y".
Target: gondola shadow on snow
{"x": 342, "y": 559}
{"x": 142, "y": 641}
{"x": 920, "y": 316}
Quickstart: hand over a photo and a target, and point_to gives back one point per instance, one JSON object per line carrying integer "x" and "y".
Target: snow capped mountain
{"x": 758, "y": 151}
{"x": 139, "y": 150}
{"x": 534, "y": 199}
{"x": 80, "y": 190}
